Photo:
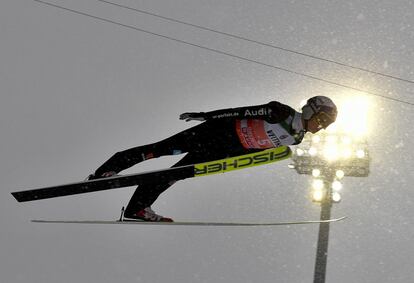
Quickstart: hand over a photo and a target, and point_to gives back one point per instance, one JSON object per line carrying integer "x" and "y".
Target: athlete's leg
{"x": 182, "y": 142}
{"x": 145, "y": 195}
{"x": 206, "y": 142}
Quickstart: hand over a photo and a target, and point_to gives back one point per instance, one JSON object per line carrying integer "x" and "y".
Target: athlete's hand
{"x": 192, "y": 116}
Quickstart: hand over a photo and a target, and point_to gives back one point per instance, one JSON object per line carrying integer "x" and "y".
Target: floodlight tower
{"x": 329, "y": 157}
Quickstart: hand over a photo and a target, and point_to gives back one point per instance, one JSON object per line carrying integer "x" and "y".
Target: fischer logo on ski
{"x": 240, "y": 162}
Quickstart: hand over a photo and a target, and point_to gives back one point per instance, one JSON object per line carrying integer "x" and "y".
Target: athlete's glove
{"x": 190, "y": 116}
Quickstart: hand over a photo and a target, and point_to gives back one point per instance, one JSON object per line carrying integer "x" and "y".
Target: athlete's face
{"x": 318, "y": 122}
{"x": 313, "y": 126}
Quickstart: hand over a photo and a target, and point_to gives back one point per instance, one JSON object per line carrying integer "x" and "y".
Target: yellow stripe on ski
{"x": 242, "y": 161}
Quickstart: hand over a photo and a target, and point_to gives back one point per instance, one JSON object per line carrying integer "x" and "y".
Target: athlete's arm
{"x": 272, "y": 112}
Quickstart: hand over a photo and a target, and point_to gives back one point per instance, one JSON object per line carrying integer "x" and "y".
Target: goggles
{"x": 323, "y": 120}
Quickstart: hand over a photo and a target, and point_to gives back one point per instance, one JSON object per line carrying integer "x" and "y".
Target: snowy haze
{"x": 75, "y": 90}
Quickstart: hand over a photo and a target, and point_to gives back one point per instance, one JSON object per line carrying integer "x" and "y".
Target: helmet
{"x": 322, "y": 107}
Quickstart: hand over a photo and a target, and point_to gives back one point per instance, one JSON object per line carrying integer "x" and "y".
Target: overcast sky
{"x": 75, "y": 90}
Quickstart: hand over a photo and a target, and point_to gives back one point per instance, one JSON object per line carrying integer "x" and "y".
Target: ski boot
{"x": 146, "y": 214}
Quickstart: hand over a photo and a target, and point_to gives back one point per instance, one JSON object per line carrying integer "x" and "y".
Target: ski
{"x": 154, "y": 177}
{"x": 189, "y": 223}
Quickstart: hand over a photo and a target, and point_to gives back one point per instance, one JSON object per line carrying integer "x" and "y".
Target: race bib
{"x": 255, "y": 133}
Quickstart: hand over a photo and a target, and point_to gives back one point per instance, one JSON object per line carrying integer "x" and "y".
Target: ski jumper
{"x": 225, "y": 133}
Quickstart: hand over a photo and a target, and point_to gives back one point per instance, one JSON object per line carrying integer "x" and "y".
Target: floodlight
{"x": 336, "y": 186}
{"x": 331, "y": 152}
{"x": 316, "y": 173}
{"x": 317, "y": 196}
{"x": 340, "y": 174}
{"x": 313, "y": 151}
{"x": 360, "y": 153}
{"x": 336, "y": 197}
{"x": 318, "y": 184}
{"x": 299, "y": 151}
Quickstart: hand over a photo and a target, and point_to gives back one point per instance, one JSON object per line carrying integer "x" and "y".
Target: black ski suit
{"x": 216, "y": 138}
